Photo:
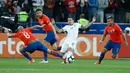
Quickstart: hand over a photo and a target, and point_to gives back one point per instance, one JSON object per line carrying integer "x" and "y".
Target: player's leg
{"x": 70, "y": 48}
{"x": 50, "y": 38}
{"x": 102, "y": 55}
{"x": 55, "y": 46}
{"x": 45, "y": 60}
{"x": 115, "y": 49}
{"x": 45, "y": 49}
{"x": 23, "y": 52}
{"x": 64, "y": 49}
{"x": 28, "y": 49}
{"x": 107, "y": 47}
{"x": 67, "y": 51}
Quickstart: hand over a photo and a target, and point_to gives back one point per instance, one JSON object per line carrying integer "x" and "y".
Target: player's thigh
{"x": 41, "y": 47}
{"x": 116, "y": 48}
{"x": 64, "y": 48}
{"x": 109, "y": 45}
{"x": 72, "y": 46}
{"x": 30, "y": 48}
{"x": 50, "y": 36}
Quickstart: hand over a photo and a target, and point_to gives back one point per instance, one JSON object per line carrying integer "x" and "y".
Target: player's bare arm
{"x": 124, "y": 38}
{"x": 102, "y": 38}
{"x": 59, "y": 30}
{"x": 8, "y": 34}
{"x": 93, "y": 20}
{"x": 36, "y": 26}
{"x": 54, "y": 30}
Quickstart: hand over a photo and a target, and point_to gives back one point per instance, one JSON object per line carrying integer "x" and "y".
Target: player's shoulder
{"x": 76, "y": 24}
{"x": 116, "y": 25}
{"x": 28, "y": 29}
{"x": 66, "y": 25}
{"x": 45, "y": 16}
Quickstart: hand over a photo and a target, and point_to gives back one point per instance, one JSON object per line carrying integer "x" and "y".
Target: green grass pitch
{"x": 16, "y": 65}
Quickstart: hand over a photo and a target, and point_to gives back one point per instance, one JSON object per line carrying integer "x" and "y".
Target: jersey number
{"x": 26, "y": 35}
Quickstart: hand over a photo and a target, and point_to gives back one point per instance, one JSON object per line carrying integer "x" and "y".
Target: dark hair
{"x": 70, "y": 17}
{"x": 110, "y": 17}
{"x": 82, "y": 16}
{"x": 38, "y": 10}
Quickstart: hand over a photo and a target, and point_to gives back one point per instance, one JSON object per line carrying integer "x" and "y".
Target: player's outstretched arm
{"x": 8, "y": 34}
{"x": 102, "y": 38}
{"x": 54, "y": 30}
{"x": 36, "y": 26}
{"x": 93, "y": 20}
{"x": 124, "y": 38}
{"x": 58, "y": 30}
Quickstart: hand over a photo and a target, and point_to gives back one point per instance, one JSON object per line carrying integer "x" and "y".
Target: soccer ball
{"x": 69, "y": 59}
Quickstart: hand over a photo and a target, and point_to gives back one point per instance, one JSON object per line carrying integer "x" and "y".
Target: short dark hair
{"x": 110, "y": 17}
{"x": 82, "y": 16}
{"x": 38, "y": 10}
{"x": 70, "y": 17}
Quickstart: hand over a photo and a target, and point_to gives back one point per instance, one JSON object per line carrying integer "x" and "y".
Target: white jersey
{"x": 72, "y": 34}
{"x": 72, "y": 31}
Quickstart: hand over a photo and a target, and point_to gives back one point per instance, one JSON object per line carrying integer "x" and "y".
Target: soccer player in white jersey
{"x": 72, "y": 33}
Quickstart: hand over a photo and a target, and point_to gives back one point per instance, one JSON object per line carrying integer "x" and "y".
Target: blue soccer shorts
{"x": 35, "y": 46}
{"x": 50, "y": 37}
{"x": 114, "y": 46}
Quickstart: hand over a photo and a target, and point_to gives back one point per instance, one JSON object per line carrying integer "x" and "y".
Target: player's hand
{"x": 100, "y": 41}
{"x": 94, "y": 19}
{"x": 6, "y": 31}
{"x": 126, "y": 43}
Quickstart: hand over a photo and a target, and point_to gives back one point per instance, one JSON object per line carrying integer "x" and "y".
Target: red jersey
{"x": 115, "y": 33}
{"x": 44, "y": 20}
{"x": 25, "y": 35}
{"x": 71, "y": 5}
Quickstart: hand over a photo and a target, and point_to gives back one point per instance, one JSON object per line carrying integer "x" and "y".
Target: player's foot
{"x": 97, "y": 63}
{"x": 31, "y": 61}
{"x": 44, "y": 61}
{"x": 64, "y": 62}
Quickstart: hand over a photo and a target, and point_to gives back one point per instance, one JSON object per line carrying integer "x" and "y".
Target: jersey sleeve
{"x": 65, "y": 28}
{"x": 105, "y": 31}
{"x": 29, "y": 29}
{"x": 78, "y": 25}
{"x": 118, "y": 29}
{"x": 15, "y": 35}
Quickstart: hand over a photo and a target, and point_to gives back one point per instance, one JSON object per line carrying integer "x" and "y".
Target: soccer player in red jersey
{"x": 30, "y": 42}
{"x": 51, "y": 37}
{"x": 115, "y": 40}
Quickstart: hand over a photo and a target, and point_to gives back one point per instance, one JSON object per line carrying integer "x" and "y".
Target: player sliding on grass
{"x": 72, "y": 33}
{"x": 30, "y": 42}
{"x": 114, "y": 43}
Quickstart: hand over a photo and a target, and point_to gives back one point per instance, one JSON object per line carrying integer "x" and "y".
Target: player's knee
{"x": 21, "y": 50}
{"x": 104, "y": 51}
{"x": 49, "y": 51}
{"x": 69, "y": 49}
